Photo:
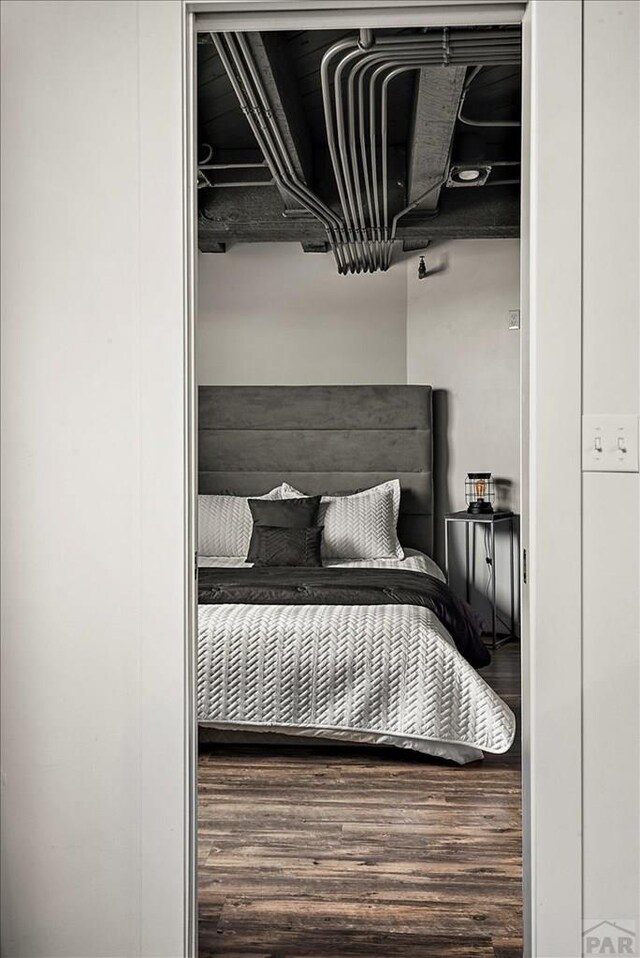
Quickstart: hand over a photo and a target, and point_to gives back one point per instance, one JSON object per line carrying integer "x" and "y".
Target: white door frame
{"x": 551, "y": 306}
{"x": 551, "y": 351}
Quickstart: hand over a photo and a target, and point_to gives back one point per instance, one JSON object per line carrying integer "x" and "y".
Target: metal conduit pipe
{"x": 341, "y": 45}
{"x": 433, "y": 186}
{"x": 381, "y": 68}
{"x": 363, "y": 148}
{"x": 329, "y": 219}
{"x": 353, "y": 194}
{"x": 357, "y": 244}
{"x": 359, "y": 70}
{"x": 430, "y": 189}
{"x": 409, "y": 207}
{"x": 231, "y": 166}
{"x": 228, "y": 184}
{"x": 398, "y": 71}
{"x": 397, "y": 67}
{"x": 261, "y": 131}
{"x": 257, "y": 124}
{"x": 366, "y": 39}
{"x": 347, "y": 157}
{"x": 351, "y": 211}
{"x": 348, "y": 187}
{"x": 480, "y": 123}
{"x": 276, "y": 131}
{"x": 347, "y": 171}
{"x": 372, "y": 188}
{"x": 350, "y": 197}
{"x": 355, "y": 172}
{"x": 391, "y": 235}
{"x": 382, "y": 227}
{"x": 418, "y": 60}
{"x": 369, "y": 229}
{"x": 317, "y": 203}
{"x": 392, "y": 47}
{"x": 446, "y": 37}
{"x": 290, "y": 182}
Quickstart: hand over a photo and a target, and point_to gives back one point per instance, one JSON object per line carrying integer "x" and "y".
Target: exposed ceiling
{"x": 452, "y": 133}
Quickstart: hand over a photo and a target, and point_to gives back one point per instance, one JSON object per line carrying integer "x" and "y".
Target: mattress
{"x": 384, "y": 674}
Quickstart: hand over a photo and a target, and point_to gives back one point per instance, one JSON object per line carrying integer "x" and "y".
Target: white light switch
{"x": 609, "y": 443}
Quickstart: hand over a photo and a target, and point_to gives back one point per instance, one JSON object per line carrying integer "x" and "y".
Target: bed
{"x": 371, "y": 649}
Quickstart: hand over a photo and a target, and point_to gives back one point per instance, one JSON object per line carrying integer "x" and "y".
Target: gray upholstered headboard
{"x": 332, "y": 439}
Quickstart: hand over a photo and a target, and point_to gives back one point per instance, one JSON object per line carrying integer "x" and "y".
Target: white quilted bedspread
{"x": 388, "y": 674}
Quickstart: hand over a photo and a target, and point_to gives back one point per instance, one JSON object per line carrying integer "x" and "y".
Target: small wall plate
{"x": 609, "y": 443}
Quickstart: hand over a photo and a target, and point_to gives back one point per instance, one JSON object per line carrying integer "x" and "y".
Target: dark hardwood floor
{"x": 324, "y": 853}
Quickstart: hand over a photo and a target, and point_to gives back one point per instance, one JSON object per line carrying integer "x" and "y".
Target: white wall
{"x": 270, "y": 314}
{"x": 611, "y": 502}
{"x": 93, "y": 481}
{"x": 92, "y": 416}
{"x": 458, "y": 341}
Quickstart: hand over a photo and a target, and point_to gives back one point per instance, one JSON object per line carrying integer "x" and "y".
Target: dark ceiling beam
{"x": 412, "y": 245}
{"x": 276, "y": 71}
{"x": 311, "y": 246}
{"x": 468, "y": 213}
{"x": 471, "y": 213}
{"x": 437, "y": 97}
{"x": 224, "y": 211}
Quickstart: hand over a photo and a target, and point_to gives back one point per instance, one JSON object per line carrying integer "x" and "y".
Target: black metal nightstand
{"x": 488, "y": 520}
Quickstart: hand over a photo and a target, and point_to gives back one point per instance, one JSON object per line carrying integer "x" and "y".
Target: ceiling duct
{"x": 356, "y": 73}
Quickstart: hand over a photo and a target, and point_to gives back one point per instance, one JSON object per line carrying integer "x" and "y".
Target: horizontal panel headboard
{"x": 332, "y": 439}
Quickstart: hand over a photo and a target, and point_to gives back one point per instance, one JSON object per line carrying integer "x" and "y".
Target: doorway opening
{"x": 358, "y": 327}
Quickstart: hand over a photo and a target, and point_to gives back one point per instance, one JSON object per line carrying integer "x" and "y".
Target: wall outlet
{"x": 609, "y": 443}
{"x": 514, "y": 319}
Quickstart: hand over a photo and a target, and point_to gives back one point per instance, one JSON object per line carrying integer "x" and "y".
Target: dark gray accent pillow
{"x": 289, "y": 514}
{"x": 276, "y": 546}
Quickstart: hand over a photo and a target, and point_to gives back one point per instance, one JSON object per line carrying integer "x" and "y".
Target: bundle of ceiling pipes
{"x": 356, "y": 73}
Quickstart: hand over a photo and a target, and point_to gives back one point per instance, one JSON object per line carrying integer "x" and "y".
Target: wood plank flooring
{"x": 338, "y": 853}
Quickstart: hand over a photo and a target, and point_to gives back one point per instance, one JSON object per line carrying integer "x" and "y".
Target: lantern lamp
{"x": 479, "y": 492}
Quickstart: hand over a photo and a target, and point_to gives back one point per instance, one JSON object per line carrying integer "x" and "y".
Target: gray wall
{"x": 271, "y": 314}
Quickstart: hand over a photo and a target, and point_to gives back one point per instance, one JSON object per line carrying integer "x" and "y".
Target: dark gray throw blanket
{"x": 357, "y": 586}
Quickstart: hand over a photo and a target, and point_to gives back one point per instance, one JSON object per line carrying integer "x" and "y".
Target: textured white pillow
{"x": 361, "y": 526}
{"x": 225, "y": 524}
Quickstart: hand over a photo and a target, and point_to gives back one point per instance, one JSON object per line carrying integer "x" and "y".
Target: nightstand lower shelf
{"x": 488, "y": 521}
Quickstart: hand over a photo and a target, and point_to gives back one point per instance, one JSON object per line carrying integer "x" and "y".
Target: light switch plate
{"x": 514, "y": 319}
{"x": 609, "y": 443}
